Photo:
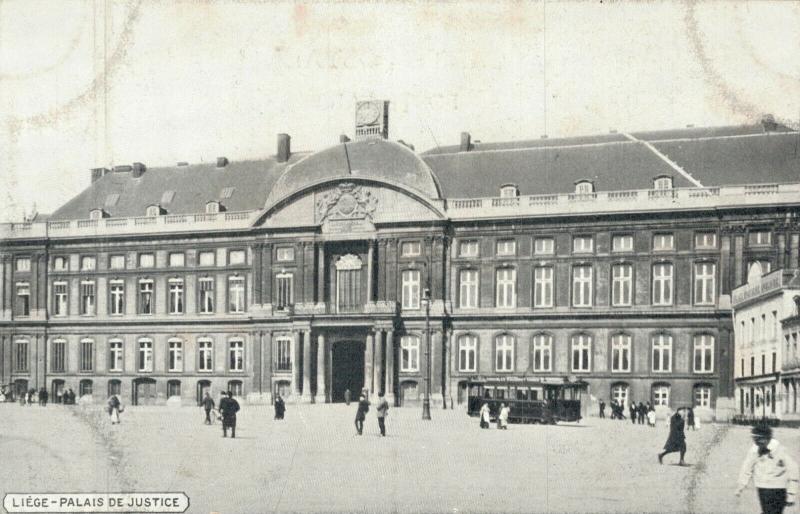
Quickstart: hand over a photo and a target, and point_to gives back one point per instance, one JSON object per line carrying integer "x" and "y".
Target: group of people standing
{"x": 502, "y": 416}
{"x": 640, "y": 413}
{"x": 228, "y": 407}
{"x": 382, "y": 410}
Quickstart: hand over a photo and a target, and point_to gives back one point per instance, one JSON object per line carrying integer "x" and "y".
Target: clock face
{"x": 367, "y": 113}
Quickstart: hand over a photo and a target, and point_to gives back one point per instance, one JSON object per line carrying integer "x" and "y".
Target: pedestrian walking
{"x": 773, "y": 470}
{"x": 383, "y": 411}
{"x": 114, "y": 408}
{"x": 676, "y": 442}
{"x": 347, "y": 396}
{"x": 280, "y": 407}
{"x": 602, "y": 408}
{"x": 633, "y": 410}
{"x": 361, "y": 413}
{"x": 208, "y": 405}
{"x": 485, "y": 415}
{"x": 690, "y": 418}
{"x": 228, "y": 407}
{"x": 502, "y": 417}
{"x": 642, "y": 413}
{"x": 651, "y": 417}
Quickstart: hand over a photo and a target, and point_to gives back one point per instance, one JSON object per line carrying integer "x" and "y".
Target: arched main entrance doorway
{"x": 347, "y": 369}
{"x": 144, "y": 391}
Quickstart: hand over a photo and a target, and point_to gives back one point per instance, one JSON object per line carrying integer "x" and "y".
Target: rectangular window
{"x": 284, "y": 254}
{"x": 467, "y": 354}
{"x": 468, "y": 289}
{"x": 23, "y": 300}
{"x": 506, "y": 247}
{"x": 411, "y": 249}
{"x": 622, "y": 243}
{"x": 542, "y": 353}
{"x": 544, "y": 246}
{"x": 22, "y": 264}
{"x": 582, "y": 244}
{"x": 543, "y": 286}
{"x": 661, "y": 395}
{"x": 703, "y": 353}
{"x": 173, "y": 388}
{"x": 621, "y": 353}
{"x": 506, "y": 294}
{"x": 147, "y": 260}
{"x": 117, "y": 289}
{"x": 176, "y": 298}
{"x": 504, "y": 353}
{"x": 115, "y": 355}
{"x": 284, "y": 290}
{"x": 621, "y": 284}
{"x": 116, "y": 262}
{"x": 86, "y": 355}
{"x": 236, "y": 355}
{"x": 237, "y": 257}
{"x": 88, "y": 304}
{"x": 702, "y": 396}
{"x": 704, "y": 283}
{"x": 206, "y": 258}
{"x": 206, "y": 286}
{"x": 662, "y": 284}
{"x": 468, "y": 249}
{"x": 177, "y": 260}
{"x": 205, "y": 355}
{"x": 663, "y": 242}
{"x": 21, "y": 355}
{"x": 60, "y": 263}
{"x": 175, "y": 359}
{"x": 581, "y": 353}
{"x": 582, "y": 286}
{"x": 409, "y": 353}
{"x": 759, "y": 238}
{"x": 410, "y": 289}
{"x": 146, "y": 298}
{"x": 58, "y": 356}
{"x": 705, "y": 240}
{"x": 662, "y": 353}
{"x": 88, "y": 263}
{"x": 774, "y": 361}
{"x": 283, "y": 354}
{"x": 236, "y": 294}
{"x": 146, "y": 355}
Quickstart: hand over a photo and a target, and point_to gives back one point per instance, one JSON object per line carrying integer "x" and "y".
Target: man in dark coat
{"x": 642, "y": 413}
{"x": 228, "y": 407}
{"x": 632, "y": 409}
{"x": 280, "y": 407}
{"x": 690, "y": 418}
{"x": 208, "y": 406}
{"x": 361, "y": 413}
{"x": 602, "y": 409}
{"x": 676, "y": 442}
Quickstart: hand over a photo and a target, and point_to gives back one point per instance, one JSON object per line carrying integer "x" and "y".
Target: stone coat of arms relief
{"x": 346, "y": 201}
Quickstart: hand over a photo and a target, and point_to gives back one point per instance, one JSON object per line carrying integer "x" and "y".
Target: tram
{"x": 540, "y": 400}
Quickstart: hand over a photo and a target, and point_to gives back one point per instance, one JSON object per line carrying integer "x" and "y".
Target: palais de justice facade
{"x": 609, "y": 258}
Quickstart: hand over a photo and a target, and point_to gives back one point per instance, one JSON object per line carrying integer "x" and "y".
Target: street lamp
{"x": 426, "y": 401}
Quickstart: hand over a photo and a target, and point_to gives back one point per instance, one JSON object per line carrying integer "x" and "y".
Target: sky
{"x": 97, "y": 84}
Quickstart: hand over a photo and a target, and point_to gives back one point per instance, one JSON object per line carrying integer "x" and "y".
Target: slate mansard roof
{"x": 708, "y": 156}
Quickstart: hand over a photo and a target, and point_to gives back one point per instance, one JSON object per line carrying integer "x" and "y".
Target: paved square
{"x": 313, "y": 461}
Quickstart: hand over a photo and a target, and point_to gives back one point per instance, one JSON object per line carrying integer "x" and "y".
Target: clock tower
{"x": 372, "y": 119}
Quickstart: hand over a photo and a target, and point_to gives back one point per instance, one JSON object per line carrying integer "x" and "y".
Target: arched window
{"x": 114, "y": 387}
{"x": 662, "y": 182}
{"x": 235, "y": 387}
{"x": 619, "y": 393}
{"x": 145, "y": 355}
{"x": 175, "y": 358}
{"x": 212, "y": 207}
{"x": 504, "y": 353}
{"x": 584, "y": 187}
{"x": 153, "y": 210}
{"x": 409, "y": 353}
{"x": 205, "y": 354}
{"x": 509, "y": 191}
{"x": 467, "y": 353}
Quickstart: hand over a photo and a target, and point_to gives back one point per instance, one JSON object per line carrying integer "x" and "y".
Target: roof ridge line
{"x": 736, "y": 136}
{"x": 672, "y": 164}
{"x": 496, "y": 150}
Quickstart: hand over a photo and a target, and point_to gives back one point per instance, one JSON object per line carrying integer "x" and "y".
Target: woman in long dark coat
{"x": 280, "y": 407}
{"x": 676, "y": 442}
{"x": 361, "y": 413}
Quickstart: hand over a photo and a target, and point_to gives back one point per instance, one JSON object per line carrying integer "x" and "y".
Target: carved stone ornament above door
{"x": 346, "y": 201}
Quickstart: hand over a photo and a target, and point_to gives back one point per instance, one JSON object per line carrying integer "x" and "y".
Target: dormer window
{"x": 584, "y": 187}
{"x": 154, "y": 210}
{"x": 212, "y": 207}
{"x": 662, "y": 182}
{"x": 96, "y": 214}
{"x": 509, "y": 191}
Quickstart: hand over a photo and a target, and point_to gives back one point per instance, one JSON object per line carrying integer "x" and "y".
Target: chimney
{"x": 769, "y": 123}
{"x": 343, "y": 138}
{"x": 138, "y": 169}
{"x": 222, "y": 162}
{"x": 284, "y": 147}
{"x": 97, "y": 173}
{"x": 466, "y": 144}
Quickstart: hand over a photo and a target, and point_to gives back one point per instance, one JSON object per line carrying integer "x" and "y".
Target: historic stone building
{"x": 610, "y": 258}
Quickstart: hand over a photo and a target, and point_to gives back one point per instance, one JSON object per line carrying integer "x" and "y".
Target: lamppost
{"x": 426, "y": 401}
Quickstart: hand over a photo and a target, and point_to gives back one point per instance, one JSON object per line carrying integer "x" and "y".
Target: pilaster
{"x": 368, "y": 363}
{"x": 382, "y": 269}
{"x": 377, "y": 382}
{"x": 390, "y": 352}
{"x": 308, "y": 271}
{"x": 258, "y": 273}
{"x": 296, "y": 365}
{"x": 306, "y": 397}
{"x": 322, "y": 391}
{"x": 266, "y": 363}
{"x": 266, "y": 276}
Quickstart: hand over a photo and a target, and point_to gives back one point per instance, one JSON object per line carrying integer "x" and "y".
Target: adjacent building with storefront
{"x": 610, "y": 258}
